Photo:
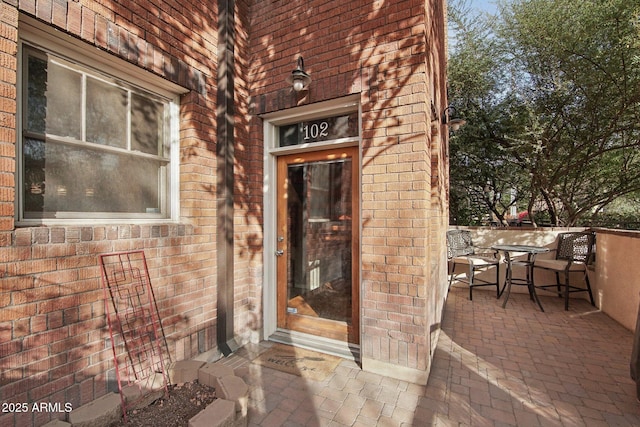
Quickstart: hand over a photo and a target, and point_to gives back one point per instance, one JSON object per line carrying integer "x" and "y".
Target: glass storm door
{"x": 317, "y": 243}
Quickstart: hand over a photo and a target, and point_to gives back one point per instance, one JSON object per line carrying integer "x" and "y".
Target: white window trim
{"x": 34, "y": 33}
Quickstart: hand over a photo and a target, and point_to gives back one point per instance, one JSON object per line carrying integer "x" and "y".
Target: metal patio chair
{"x": 574, "y": 253}
{"x": 461, "y": 251}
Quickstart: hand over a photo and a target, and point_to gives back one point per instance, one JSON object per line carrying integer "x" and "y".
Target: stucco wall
{"x": 617, "y": 272}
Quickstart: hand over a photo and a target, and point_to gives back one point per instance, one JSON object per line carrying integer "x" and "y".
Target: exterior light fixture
{"x": 449, "y": 118}
{"x": 299, "y": 78}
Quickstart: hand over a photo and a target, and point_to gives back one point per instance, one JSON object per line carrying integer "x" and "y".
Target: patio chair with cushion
{"x": 461, "y": 251}
{"x": 573, "y": 254}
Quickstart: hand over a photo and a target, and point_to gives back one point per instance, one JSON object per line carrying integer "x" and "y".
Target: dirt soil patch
{"x": 184, "y": 401}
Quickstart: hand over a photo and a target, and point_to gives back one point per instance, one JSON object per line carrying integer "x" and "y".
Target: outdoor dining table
{"x": 510, "y": 251}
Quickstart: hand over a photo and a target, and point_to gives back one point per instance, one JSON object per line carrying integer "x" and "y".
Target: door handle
{"x": 279, "y": 252}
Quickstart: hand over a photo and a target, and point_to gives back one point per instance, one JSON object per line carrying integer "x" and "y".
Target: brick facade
{"x": 53, "y": 333}
{"x": 393, "y": 55}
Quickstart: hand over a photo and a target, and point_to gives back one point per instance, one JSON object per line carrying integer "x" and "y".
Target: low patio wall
{"x": 615, "y": 277}
{"x": 485, "y": 237}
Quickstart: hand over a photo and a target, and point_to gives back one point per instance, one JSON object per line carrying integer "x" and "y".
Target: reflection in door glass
{"x": 319, "y": 240}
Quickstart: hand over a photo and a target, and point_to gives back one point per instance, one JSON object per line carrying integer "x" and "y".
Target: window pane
{"x": 54, "y": 99}
{"x": 319, "y": 182}
{"x": 147, "y": 117}
{"x": 319, "y": 281}
{"x": 64, "y": 102}
{"x": 62, "y": 178}
{"x": 33, "y": 175}
{"x": 106, "y": 114}
{"x": 36, "y": 113}
{"x": 68, "y": 109}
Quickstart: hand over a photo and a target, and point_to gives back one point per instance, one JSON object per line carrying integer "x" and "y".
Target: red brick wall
{"x": 439, "y": 203}
{"x": 53, "y": 336}
{"x": 8, "y": 74}
{"x": 52, "y": 331}
{"x": 392, "y": 54}
{"x": 248, "y": 209}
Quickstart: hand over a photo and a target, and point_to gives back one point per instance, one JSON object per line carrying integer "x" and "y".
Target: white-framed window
{"x": 93, "y": 145}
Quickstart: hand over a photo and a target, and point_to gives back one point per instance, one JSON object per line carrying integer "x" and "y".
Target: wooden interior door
{"x": 318, "y": 243}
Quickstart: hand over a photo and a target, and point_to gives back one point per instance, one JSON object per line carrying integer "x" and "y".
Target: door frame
{"x": 325, "y": 327}
{"x": 271, "y": 122}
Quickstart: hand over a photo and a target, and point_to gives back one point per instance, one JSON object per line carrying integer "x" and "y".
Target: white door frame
{"x": 271, "y": 122}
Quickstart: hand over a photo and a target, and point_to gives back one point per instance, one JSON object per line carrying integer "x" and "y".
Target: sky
{"x": 483, "y": 5}
{"x": 486, "y": 6}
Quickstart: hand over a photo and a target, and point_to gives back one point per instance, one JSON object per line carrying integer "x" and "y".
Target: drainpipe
{"x": 225, "y": 111}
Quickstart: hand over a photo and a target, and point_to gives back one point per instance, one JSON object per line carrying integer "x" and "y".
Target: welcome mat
{"x": 298, "y": 361}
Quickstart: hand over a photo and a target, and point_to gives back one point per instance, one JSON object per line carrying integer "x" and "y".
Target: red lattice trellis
{"x": 137, "y": 340}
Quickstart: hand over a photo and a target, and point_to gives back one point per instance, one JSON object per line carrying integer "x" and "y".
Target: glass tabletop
{"x": 520, "y": 248}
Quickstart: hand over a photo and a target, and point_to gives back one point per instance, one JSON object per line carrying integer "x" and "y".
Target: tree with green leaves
{"x": 561, "y": 113}
{"x": 483, "y": 175}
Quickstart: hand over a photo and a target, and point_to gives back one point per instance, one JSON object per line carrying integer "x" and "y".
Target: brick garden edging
{"x": 228, "y": 410}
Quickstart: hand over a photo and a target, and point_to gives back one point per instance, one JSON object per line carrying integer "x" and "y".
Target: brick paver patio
{"x": 493, "y": 367}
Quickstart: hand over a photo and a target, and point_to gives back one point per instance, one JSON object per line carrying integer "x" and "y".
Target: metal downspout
{"x": 225, "y": 112}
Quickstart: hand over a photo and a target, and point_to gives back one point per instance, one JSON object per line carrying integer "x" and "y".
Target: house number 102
{"x": 315, "y": 130}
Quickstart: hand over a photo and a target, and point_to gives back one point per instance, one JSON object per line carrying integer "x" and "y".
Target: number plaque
{"x": 326, "y": 129}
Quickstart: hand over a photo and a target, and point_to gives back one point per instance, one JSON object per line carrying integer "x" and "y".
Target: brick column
{"x": 8, "y": 72}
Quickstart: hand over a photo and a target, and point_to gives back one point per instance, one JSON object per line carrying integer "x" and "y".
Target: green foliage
{"x": 551, "y": 93}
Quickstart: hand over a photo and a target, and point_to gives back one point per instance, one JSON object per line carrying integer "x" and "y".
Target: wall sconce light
{"x": 449, "y": 118}
{"x": 299, "y": 78}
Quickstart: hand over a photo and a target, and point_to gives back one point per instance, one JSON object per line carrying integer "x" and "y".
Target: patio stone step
{"x": 57, "y": 423}
{"x": 220, "y": 413}
{"x": 234, "y": 389}
{"x": 208, "y": 373}
{"x": 142, "y": 394}
{"x": 101, "y": 412}
{"x": 184, "y": 371}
